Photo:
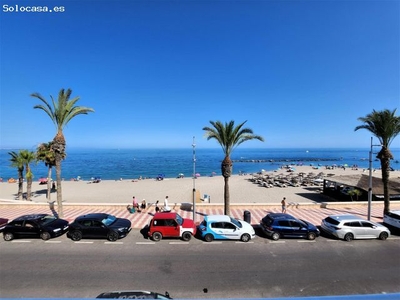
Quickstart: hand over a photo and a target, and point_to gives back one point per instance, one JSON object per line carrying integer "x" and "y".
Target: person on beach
{"x": 135, "y": 203}
{"x": 166, "y": 207}
{"x": 143, "y": 204}
{"x": 135, "y": 206}
{"x": 283, "y": 202}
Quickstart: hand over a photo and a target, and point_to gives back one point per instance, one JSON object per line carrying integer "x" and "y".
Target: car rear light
{"x": 337, "y": 228}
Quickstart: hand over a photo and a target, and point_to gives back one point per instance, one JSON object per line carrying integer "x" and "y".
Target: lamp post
{"x": 370, "y": 181}
{"x": 194, "y": 181}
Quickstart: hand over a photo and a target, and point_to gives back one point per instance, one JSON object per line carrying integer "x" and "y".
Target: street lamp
{"x": 370, "y": 181}
{"x": 194, "y": 181}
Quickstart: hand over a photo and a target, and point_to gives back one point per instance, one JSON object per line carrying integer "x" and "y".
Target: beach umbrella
{"x": 197, "y": 174}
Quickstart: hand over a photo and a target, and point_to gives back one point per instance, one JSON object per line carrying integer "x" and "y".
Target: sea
{"x": 116, "y": 164}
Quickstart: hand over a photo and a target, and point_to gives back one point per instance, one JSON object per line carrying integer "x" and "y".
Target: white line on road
{"x": 114, "y": 243}
{"x": 21, "y": 241}
{"x": 145, "y": 243}
{"x": 277, "y": 242}
{"x": 83, "y": 242}
{"x": 178, "y": 243}
{"x": 300, "y": 241}
{"x": 53, "y": 242}
{"x": 244, "y": 242}
{"x": 212, "y": 243}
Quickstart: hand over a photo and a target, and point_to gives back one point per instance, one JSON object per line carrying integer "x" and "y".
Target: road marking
{"x": 306, "y": 241}
{"x": 244, "y": 242}
{"x": 21, "y": 241}
{"x": 213, "y": 243}
{"x": 145, "y": 243}
{"x": 83, "y": 242}
{"x": 114, "y": 243}
{"x": 277, "y": 242}
{"x": 53, "y": 242}
{"x": 178, "y": 243}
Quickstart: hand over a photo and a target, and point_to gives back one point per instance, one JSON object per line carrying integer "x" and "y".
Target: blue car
{"x": 223, "y": 227}
{"x": 277, "y": 225}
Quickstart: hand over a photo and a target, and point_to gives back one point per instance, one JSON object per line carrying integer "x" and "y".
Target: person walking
{"x": 283, "y": 202}
{"x": 166, "y": 206}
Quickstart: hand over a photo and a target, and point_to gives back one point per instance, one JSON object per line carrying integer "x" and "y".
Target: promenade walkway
{"x": 312, "y": 213}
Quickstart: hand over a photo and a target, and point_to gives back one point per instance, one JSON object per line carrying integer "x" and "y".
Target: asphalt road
{"x": 195, "y": 269}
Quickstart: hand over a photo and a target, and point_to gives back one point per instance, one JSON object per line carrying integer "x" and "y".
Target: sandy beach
{"x": 242, "y": 189}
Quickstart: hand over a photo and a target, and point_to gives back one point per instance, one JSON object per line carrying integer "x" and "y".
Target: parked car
{"x": 224, "y": 227}
{"x": 171, "y": 224}
{"x": 133, "y": 295}
{"x": 349, "y": 227}
{"x": 277, "y": 225}
{"x": 3, "y": 223}
{"x": 34, "y": 226}
{"x": 99, "y": 225}
{"x": 392, "y": 218}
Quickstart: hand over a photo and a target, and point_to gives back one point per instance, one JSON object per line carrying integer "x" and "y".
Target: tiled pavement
{"x": 139, "y": 220}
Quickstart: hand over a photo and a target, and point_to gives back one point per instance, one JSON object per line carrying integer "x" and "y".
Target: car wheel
{"x": 245, "y": 237}
{"x": 186, "y": 236}
{"x": 8, "y": 236}
{"x": 76, "y": 235}
{"x": 348, "y": 237}
{"x": 275, "y": 236}
{"x": 157, "y": 236}
{"x": 383, "y": 236}
{"x": 208, "y": 237}
{"x": 112, "y": 236}
{"x": 45, "y": 236}
{"x": 311, "y": 236}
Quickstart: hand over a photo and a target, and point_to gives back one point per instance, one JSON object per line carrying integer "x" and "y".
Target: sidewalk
{"x": 313, "y": 213}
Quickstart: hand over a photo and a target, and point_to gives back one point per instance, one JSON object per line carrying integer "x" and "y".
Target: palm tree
{"x": 46, "y": 155}
{"x": 385, "y": 126}
{"x": 28, "y": 157}
{"x": 60, "y": 112}
{"x": 17, "y": 162}
{"x": 229, "y": 137}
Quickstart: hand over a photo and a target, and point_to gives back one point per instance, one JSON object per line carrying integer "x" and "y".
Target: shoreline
{"x": 180, "y": 190}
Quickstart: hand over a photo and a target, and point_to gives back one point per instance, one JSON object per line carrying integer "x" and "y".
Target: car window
{"x": 96, "y": 223}
{"x": 86, "y": 223}
{"x": 393, "y": 215}
{"x": 29, "y": 224}
{"x": 170, "y": 222}
{"x": 179, "y": 219}
{"x": 160, "y": 222}
{"x": 332, "y": 221}
{"x": 367, "y": 224}
{"x": 236, "y": 222}
{"x": 228, "y": 225}
{"x": 204, "y": 223}
{"x": 295, "y": 224}
{"x": 218, "y": 225}
{"x": 353, "y": 224}
{"x": 46, "y": 220}
{"x": 267, "y": 220}
{"x": 284, "y": 223}
{"x": 109, "y": 220}
{"x": 17, "y": 223}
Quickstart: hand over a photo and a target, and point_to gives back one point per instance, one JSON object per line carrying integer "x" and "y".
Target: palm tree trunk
{"x": 48, "y": 195}
{"x": 385, "y": 167}
{"x": 59, "y": 194}
{"x": 28, "y": 189}
{"x": 20, "y": 184}
{"x": 227, "y": 208}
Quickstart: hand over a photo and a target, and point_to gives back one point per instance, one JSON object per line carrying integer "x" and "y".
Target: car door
{"x": 230, "y": 231}
{"x": 29, "y": 229}
{"x": 284, "y": 228}
{"x": 370, "y": 230}
{"x": 171, "y": 228}
{"x": 218, "y": 230}
{"x": 297, "y": 229}
{"x": 356, "y": 229}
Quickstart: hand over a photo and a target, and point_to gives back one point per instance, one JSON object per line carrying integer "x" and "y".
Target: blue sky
{"x": 156, "y": 72}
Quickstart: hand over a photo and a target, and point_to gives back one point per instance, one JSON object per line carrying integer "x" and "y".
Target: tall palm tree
{"x": 46, "y": 155}
{"x": 18, "y": 162}
{"x": 28, "y": 157}
{"x": 385, "y": 126}
{"x": 60, "y": 112}
{"x": 229, "y": 137}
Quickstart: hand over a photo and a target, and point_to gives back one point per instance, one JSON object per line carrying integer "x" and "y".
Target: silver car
{"x": 349, "y": 227}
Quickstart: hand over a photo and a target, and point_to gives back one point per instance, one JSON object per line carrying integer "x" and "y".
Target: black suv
{"x": 276, "y": 225}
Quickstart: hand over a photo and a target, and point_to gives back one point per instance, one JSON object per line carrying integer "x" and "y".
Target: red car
{"x": 170, "y": 224}
{"x": 3, "y": 223}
